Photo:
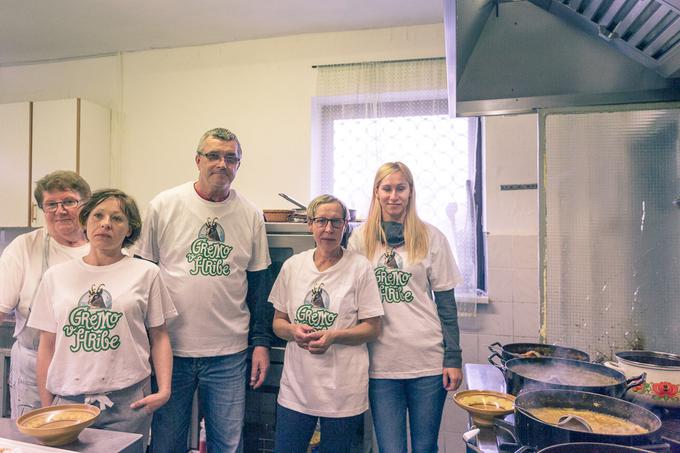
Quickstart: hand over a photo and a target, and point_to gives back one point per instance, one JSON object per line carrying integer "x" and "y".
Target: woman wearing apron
{"x": 22, "y": 265}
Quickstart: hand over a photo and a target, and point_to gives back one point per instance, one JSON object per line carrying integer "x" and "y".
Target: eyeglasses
{"x": 52, "y": 206}
{"x": 231, "y": 159}
{"x": 321, "y": 222}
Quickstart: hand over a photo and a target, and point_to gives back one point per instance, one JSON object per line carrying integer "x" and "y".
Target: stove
{"x": 501, "y": 436}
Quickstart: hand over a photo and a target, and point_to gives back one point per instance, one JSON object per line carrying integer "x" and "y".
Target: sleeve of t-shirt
{"x": 368, "y": 294}
{"x": 11, "y": 276}
{"x": 160, "y": 305}
{"x": 42, "y": 312}
{"x": 259, "y": 259}
{"x": 443, "y": 272}
{"x": 147, "y": 244}
{"x": 277, "y": 295}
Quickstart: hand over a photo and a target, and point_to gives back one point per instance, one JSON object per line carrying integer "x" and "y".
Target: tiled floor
{"x": 454, "y": 424}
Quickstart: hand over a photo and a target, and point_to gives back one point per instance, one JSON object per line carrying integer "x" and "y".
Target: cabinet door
{"x": 15, "y": 136}
{"x": 55, "y": 141}
{"x": 95, "y": 144}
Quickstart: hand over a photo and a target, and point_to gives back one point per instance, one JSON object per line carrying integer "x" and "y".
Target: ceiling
{"x": 37, "y": 30}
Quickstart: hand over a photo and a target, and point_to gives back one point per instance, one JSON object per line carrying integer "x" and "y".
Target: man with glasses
{"x": 22, "y": 265}
{"x": 211, "y": 246}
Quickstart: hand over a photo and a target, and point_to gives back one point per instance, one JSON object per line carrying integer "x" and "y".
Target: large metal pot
{"x": 662, "y": 386}
{"x": 535, "y": 433}
{"x": 591, "y": 447}
{"x": 519, "y": 350}
{"x": 542, "y": 372}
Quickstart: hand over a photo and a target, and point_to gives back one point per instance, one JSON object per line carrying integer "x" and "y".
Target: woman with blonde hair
{"x": 417, "y": 357}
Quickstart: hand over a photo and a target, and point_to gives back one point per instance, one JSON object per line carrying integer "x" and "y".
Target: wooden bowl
{"x": 57, "y": 425}
{"x": 484, "y": 405}
{"x": 277, "y": 215}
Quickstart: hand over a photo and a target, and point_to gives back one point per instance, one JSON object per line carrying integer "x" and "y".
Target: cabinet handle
{"x": 34, "y": 212}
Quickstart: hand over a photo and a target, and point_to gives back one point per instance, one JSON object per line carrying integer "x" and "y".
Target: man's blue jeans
{"x": 221, "y": 383}
{"x": 391, "y": 399}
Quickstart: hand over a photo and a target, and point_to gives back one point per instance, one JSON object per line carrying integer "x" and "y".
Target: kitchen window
{"x": 354, "y": 134}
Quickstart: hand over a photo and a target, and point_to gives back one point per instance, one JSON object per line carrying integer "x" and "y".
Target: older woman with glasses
{"x": 102, "y": 323}
{"x": 22, "y": 265}
{"x": 417, "y": 357}
{"x": 327, "y": 307}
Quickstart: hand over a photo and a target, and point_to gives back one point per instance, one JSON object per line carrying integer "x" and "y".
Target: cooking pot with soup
{"x": 662, "y": 386}
{"x": 542, "y": 372}
{"x": 518, "y": 350}
{"x": 591, "y": 447}
{"x": 611, "y": 420}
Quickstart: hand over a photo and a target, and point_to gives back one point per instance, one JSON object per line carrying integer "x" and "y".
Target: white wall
{"x": 163, "y": 100}
{"x": 511, "y": 226}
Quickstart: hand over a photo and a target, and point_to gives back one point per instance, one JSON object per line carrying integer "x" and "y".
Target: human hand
{"x": 260, "y": 366}
{"x": 301, "y": 334}
{"x": 452, "y": 378}
{"x": 152, "y": 402}
{"x": 320, "y": 341}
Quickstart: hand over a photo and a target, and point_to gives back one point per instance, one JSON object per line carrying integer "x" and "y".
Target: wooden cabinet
{"x": 15, "y": 182}
{"x": 70, "y": 134}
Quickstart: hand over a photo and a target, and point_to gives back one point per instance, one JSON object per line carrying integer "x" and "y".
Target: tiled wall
{"x": 511, "y": 226}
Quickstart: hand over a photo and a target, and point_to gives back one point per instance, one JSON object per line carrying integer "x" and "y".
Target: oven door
{"x": 260, "y": 417}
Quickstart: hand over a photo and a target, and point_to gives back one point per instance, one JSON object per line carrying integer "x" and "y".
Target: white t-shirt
{"x": 335, "y": 383}
{"x": 21, "y": 268}
{"x": 204, "y": 249}
{"x": 411, "y": 344}
{"x": 100, "y": 315}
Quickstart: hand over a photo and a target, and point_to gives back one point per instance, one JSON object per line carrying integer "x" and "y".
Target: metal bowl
{"x": 57, "y": 425}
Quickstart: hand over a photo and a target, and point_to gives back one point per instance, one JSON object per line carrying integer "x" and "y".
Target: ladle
{"x": 574, "y": 422}
{"x": 292, "y": 200}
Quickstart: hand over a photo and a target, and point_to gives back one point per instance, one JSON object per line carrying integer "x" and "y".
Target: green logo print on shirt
{"x": 208, "y": 252}
{"x": 391, "y": 280}
{"x": 91, "y": 322}
{"x": 314, "y": 312}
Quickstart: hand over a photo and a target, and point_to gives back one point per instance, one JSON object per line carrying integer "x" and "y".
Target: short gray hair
{"x": 59, "y": 181}
{"x": 325, "y": 199}
{"x": 222, "y": 134}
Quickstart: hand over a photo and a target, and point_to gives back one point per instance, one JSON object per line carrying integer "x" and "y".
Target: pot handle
{"x": 493, "y": 345}
{"x": 634, "y": 382}
{"x": 500, "y": 365}
{"x": 506, "y": 426}
{"x": 467, "y": 438}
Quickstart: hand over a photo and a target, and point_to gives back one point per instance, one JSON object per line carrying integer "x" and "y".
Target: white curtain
{"x": 366, "y": 114}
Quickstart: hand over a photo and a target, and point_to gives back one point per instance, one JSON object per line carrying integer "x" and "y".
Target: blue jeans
{"x": 423, "y": 398}
{"x": 294, "y": 431}
{"x": 221, "y": 383}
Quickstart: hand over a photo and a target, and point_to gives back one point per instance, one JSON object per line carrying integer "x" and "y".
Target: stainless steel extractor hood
{"x": 509, "y": 56}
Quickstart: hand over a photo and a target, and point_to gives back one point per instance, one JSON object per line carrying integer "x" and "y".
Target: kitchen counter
{"x": 90, "y": 440}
